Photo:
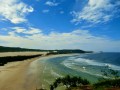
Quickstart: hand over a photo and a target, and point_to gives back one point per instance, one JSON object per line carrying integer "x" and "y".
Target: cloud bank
{"x": 77, "y": 39}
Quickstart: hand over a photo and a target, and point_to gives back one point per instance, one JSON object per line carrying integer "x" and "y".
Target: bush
{"x": 108, "y": 83}
{"x": 69, "y": 82}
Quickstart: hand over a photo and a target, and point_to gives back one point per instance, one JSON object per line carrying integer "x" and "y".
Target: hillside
{"x": 63, "y": 51}
{"x": 15, "y": 49}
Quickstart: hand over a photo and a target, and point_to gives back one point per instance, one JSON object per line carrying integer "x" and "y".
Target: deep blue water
{"x": 112, "y": 58}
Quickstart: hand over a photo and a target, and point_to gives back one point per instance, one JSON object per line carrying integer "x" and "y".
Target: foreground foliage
{"x": 114, "y": 83}
{"x": 69, "y": 82}
{"x": 77, "y": 83}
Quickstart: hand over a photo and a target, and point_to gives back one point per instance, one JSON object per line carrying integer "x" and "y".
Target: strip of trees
{"x": 5, "y": 60}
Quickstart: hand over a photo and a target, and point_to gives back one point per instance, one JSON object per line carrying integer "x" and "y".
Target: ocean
{"x": 89, "y": 66}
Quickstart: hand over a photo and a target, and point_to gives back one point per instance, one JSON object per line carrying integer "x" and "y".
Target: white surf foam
{"x": 72, "y": 61}
{"x": 55, "y": 74}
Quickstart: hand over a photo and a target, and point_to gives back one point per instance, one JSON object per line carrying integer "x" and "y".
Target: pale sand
{"x": 14, "y": 76}
{"x": 21, "y": 75}
{"x": 4, "y": 54}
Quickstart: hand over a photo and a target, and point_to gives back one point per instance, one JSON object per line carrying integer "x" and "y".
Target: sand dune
{"x": 20, "y": 53}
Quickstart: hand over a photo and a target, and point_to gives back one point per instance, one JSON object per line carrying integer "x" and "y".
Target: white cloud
{"x": 61, "y": 12}
{"x": 14, "y": 11}
{"x": 30, "y": 30}
{"x": 77, "y": 39}
{"x": 50, "y": 3}
{"x": 11, "y": 33}
{"x": 46, "y": 11}
{"x": 18, "y": 29}
{"x": 96, "y": 11}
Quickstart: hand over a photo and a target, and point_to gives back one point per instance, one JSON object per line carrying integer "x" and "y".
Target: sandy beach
{"x": 20, "y": 75}
{"x": 15, "y": 75}
{"x": 4, "y": 54}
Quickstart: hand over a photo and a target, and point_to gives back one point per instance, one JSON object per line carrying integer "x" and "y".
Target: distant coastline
{"x": 59, "y": 51}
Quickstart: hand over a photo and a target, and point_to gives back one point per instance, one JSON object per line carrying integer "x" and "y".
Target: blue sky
{"x": 61, "y": 24}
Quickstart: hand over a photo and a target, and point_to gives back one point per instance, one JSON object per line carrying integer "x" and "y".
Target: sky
{"x": 92, "y": 25}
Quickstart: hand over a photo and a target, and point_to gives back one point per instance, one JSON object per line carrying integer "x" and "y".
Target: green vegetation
{"x": 64, "y": 51}
{"x": 5, "y": 60}
{"x": 77, "y": 83}
{"x": 69, "y": 82}
{"x": 110, "y": 83}
{"x": 15, "y": 49}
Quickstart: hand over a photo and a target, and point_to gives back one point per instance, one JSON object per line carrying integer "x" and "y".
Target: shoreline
{"x": 17, "y": 75}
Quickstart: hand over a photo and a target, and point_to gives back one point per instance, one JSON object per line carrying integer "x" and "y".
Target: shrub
{"x": 69, "y": 82}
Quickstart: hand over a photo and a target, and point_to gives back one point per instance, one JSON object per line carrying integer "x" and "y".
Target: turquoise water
{"x": 87, "y": 66}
